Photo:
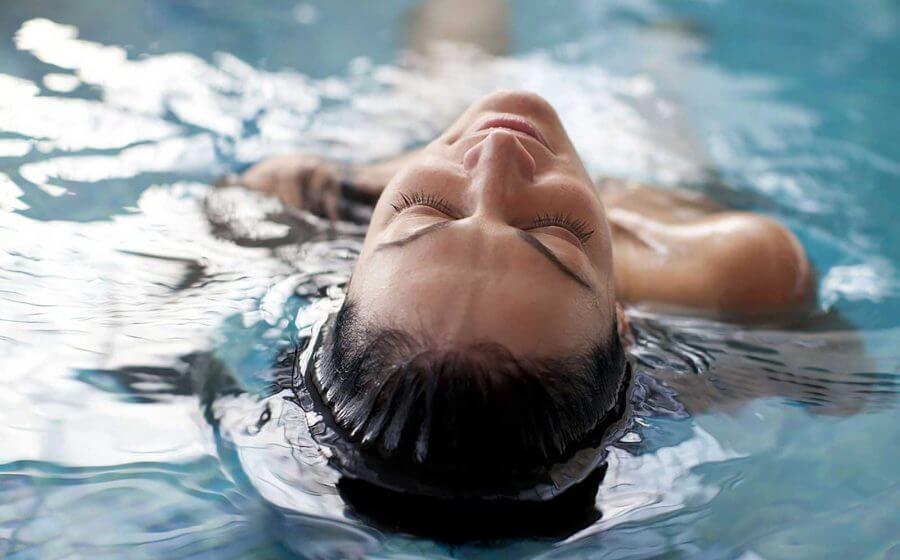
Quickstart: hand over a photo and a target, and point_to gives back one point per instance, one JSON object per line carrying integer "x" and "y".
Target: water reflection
{"x": 141, "y": 310}
{"x": 721, "y": 367}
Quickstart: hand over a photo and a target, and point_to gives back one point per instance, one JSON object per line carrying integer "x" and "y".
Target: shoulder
{"x": 755, "y": 265}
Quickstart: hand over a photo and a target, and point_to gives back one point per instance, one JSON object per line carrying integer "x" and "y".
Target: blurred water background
{"x": 141, "y": 312}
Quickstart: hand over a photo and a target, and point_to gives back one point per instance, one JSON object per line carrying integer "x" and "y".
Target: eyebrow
{"x": 528, "y": 238}
{"x": 550, "y": 256}
{"x": 413, "y": 236}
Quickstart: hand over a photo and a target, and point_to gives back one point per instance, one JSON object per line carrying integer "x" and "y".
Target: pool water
{"x": 141, "y": 312}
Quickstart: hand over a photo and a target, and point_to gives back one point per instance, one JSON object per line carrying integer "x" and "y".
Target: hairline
{"x": 426, "y": 340}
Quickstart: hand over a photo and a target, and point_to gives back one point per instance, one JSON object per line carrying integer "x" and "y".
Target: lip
{"x": 515, "y": 124}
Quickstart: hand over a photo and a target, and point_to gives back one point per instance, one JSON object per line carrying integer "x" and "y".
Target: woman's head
{"x": 492, "y": 234}
{"x": 483, "y": 295}
{"x": 471, "y": 420}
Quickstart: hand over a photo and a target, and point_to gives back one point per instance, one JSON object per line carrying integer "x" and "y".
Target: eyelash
{"x": 419, "y": 198}
{"x": 577, "y": 227}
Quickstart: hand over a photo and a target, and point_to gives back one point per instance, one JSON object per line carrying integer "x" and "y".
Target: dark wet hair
{"x": 476, "y": 416}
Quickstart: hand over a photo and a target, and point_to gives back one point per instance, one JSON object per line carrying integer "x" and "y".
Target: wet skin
{"x": 493, "y": 232}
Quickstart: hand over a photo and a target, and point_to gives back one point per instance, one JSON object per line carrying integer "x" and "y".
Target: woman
{"x": 480, "y": 348}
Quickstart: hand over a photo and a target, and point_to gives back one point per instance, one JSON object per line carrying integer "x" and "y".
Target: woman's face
{"x": 492, "y": 233}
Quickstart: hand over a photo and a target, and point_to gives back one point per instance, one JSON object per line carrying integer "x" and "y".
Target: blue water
{"x": 141, "y": 312}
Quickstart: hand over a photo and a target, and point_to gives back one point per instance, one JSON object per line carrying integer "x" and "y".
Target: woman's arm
{"x": 348, "y": 192}
{"x": 331, "y": 190}
{"x": 672, "y": 248}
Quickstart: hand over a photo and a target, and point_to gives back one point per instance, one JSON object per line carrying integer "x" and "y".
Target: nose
{"x": 499, "y": 166}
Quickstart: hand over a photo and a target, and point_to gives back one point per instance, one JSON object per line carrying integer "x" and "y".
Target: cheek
{"x": 459, "y": 126}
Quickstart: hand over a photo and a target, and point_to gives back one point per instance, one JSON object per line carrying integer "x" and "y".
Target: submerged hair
{"x": 475, "y": 409}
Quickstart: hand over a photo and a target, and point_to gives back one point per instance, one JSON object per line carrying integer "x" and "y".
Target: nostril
{"x": 527, "y": 162}
{"x": 496, "y": 151}
{"x": 470, "y": 158}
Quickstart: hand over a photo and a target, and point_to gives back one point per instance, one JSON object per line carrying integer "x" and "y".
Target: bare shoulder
{"x": 738, "y": 265}
{"x": 755, "y": 264}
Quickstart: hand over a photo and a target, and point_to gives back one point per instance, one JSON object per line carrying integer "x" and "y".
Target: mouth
{"x": 515, "y": 124}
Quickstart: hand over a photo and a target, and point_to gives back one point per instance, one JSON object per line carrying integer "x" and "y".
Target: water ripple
{"x": 141, "y": 310}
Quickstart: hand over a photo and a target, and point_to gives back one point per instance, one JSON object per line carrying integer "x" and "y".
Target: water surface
{"x": 141, "y": 312}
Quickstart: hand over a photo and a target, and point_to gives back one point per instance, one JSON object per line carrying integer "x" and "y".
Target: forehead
{"x": 481, "y": 290}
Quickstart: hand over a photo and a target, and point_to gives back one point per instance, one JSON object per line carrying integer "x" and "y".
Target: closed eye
{"x": 575, "y": 226}
{"x": 418, "y": 198}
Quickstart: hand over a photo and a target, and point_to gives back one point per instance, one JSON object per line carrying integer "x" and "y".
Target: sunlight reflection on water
{"x": 142, "y": 309}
